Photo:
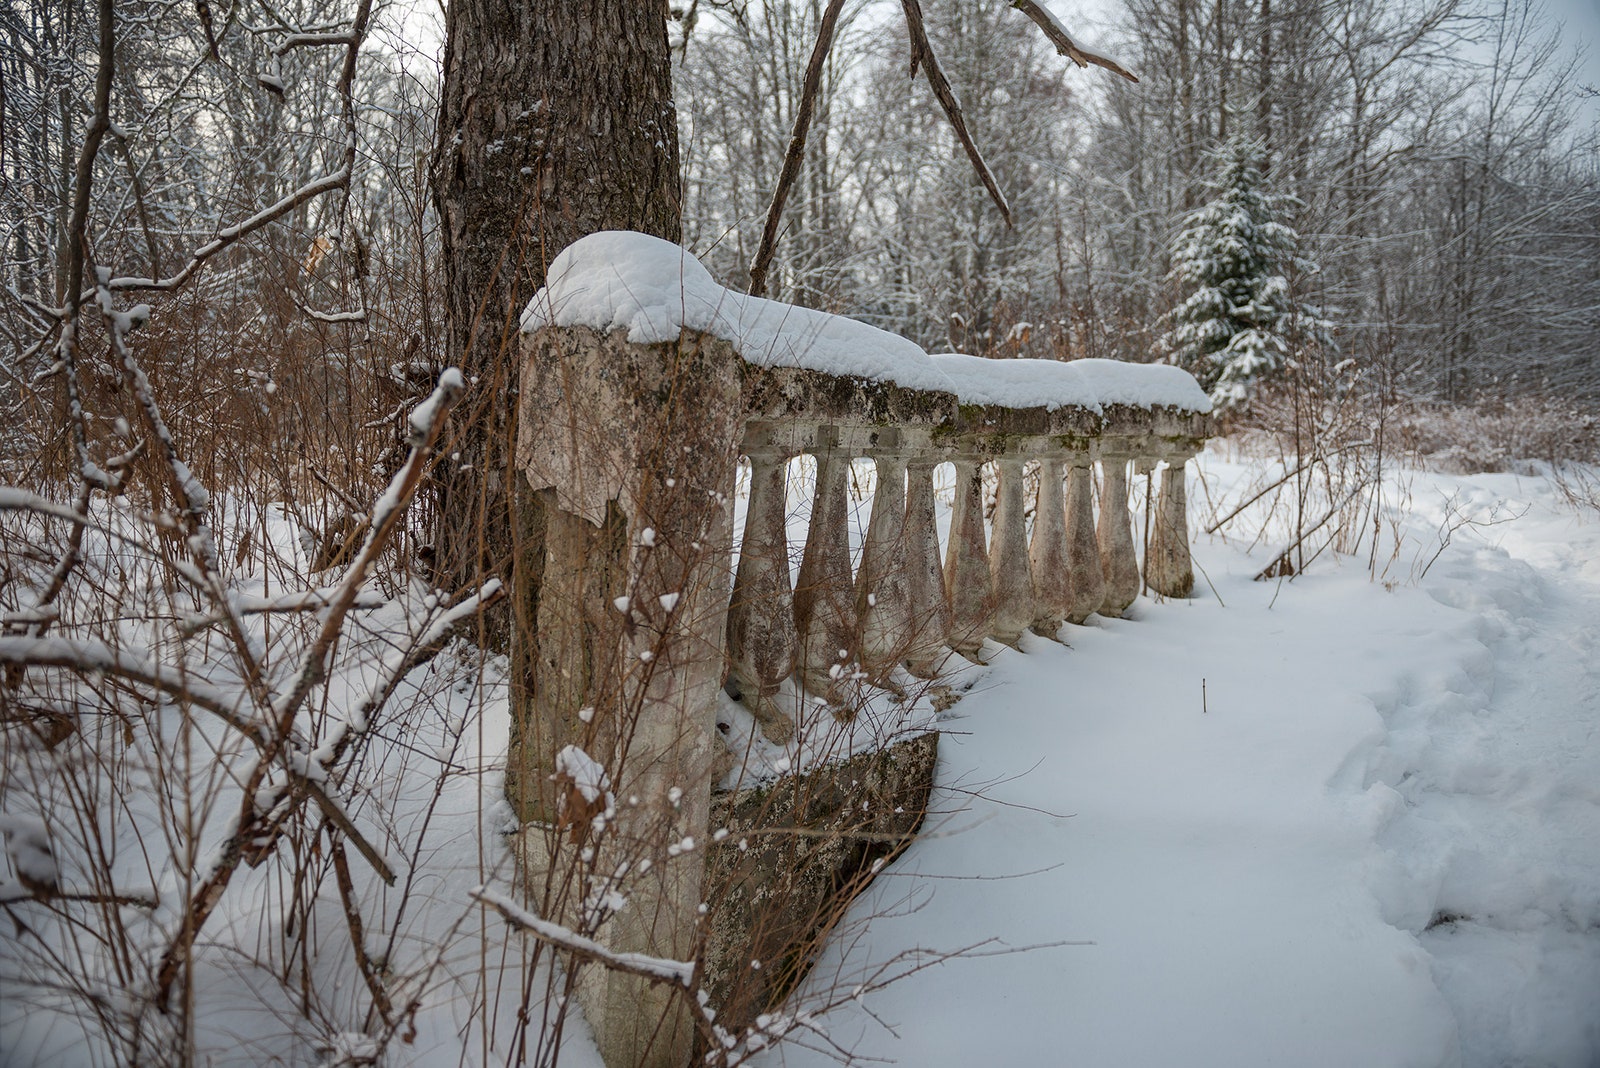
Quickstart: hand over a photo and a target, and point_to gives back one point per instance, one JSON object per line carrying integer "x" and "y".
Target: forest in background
{"x": 1446, "y": 190}
{"x": 1431, "y": 157}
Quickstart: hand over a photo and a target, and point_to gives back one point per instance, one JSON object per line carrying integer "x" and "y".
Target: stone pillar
{"x": 927, "y": 606}
{"x": 1083, "y": 553}
{"x": 1168, "y": 569}
{"x": 582, "y": 570}
{"x": 966, "y": 562}
{"x": 1119, "y": 563}
{"x": 824, "y": 596}
{"x": 1008, "y": 557}
{"x": 1047, "y": 552}
{"x": 671, "y": 666}
{"x": 761, "y": 628}
{"x": 632, "y": 451}
{"x": 882, "y": 582}
{"x": 634, "y": 474}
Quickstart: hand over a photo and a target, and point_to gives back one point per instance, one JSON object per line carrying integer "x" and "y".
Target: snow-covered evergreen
{"x": 1239, "y": 320}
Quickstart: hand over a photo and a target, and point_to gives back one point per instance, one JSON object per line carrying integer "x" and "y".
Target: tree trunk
{"x": 557, "y": 121}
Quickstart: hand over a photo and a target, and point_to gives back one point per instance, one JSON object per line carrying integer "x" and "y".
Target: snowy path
{"x": 1499, "y": 837}
{"x": 1258, "y": 879}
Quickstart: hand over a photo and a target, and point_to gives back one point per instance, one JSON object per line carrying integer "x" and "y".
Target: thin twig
{"x": 358, "y": 938}
{"x": 426, "y": 423}
{"x": 922, "y": 54}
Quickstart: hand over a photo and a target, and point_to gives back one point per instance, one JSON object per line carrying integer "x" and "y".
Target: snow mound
{"x": 619, "y": 280}
{"x": 653, "y": 289}
{"x": 1081, "y": 383}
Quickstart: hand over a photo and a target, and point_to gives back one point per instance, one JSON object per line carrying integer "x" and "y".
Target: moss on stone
{"x": 797, "y": 852}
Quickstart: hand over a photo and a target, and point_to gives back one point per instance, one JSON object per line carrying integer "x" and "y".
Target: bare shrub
{"x": 1501, "y": 435}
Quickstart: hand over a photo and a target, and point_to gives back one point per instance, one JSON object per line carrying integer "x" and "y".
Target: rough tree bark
{"x": 557, "y": 121}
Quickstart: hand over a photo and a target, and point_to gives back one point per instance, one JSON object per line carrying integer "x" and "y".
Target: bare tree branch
{"x": 337, "y": 179}
{"x": 797, "y": 147}
{"x": 922, "y": 54}
{"x": 1065, "y": 44}
{"x": 93, "y": 657}
{"x": 260, "y": 826}
{"x": 89, "y": 474}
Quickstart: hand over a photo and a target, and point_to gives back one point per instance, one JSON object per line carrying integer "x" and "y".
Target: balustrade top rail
{"x": 655, "y": 290}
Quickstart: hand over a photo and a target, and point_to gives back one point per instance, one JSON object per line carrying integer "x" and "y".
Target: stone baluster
{"x": 966, "y": 562}
{"x": 761, "y": 623}
{"x": 1047, "y": 552}
{"x": 1168, "y": 569}
{"x": 1144, "y": 469}
{"x": 926, "y": 605}
{"x": 1119, "y": 563}
{"x": 882, "y": 588}
{"x": 824, "y": 596}
{"x": 1008, "y": 557}
{"x": 1083, "y": 553}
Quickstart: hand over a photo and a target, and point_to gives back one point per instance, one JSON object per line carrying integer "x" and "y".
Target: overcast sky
{"x": 1582, "y": 21}
{"x": 1579, "y": 19}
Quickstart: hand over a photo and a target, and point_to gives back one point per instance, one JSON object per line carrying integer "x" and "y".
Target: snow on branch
{"x": 231, "y": 235}
{"x": 88, "y": 657}
{"x": 679, "y": 973}
{"x": 185, "y": 486}
{"x": 427, "y": 644}
{"x": 314, "y": 40}
{"x": 90, "y": 476}
{"x": 397, "y": 665}
{"x": 339, "y": 178}
{"x": 261, "y": 822}
{"x": 1065, "y": 45}
{"x": 359, "y": 315}
{"x": 426, "y": 422}
{"x": 13, "y": 499}
{"x": 312, "y": 600}
{"x": 721, "y": 1044}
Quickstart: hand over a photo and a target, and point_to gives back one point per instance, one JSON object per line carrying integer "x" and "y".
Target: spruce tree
{"x": 1239, "y": 321}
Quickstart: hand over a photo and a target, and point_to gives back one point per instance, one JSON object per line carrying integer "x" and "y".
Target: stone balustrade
{"x": 643, "y": 383}
{"x": 904, "y": 607}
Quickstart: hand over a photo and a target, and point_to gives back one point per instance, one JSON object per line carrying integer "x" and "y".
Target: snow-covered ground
{"x": 1334, "y": 823}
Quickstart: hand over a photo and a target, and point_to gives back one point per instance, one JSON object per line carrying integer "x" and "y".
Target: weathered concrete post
{"x": 1083, "y": 552}
{"x": 632, "y": 450}
{"x": 1008, "y": 557}
{"x": 925, "y": 595}
{"x": 966, "y": 562}
{"x": 883, "y": 581}
{"x": 1168, "y": 569}
{"x": 761, "y": 631}
{"x": 1047, "y": 552}
{"x": 1119, "y": 562}
{"x": 824, "y": 596}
